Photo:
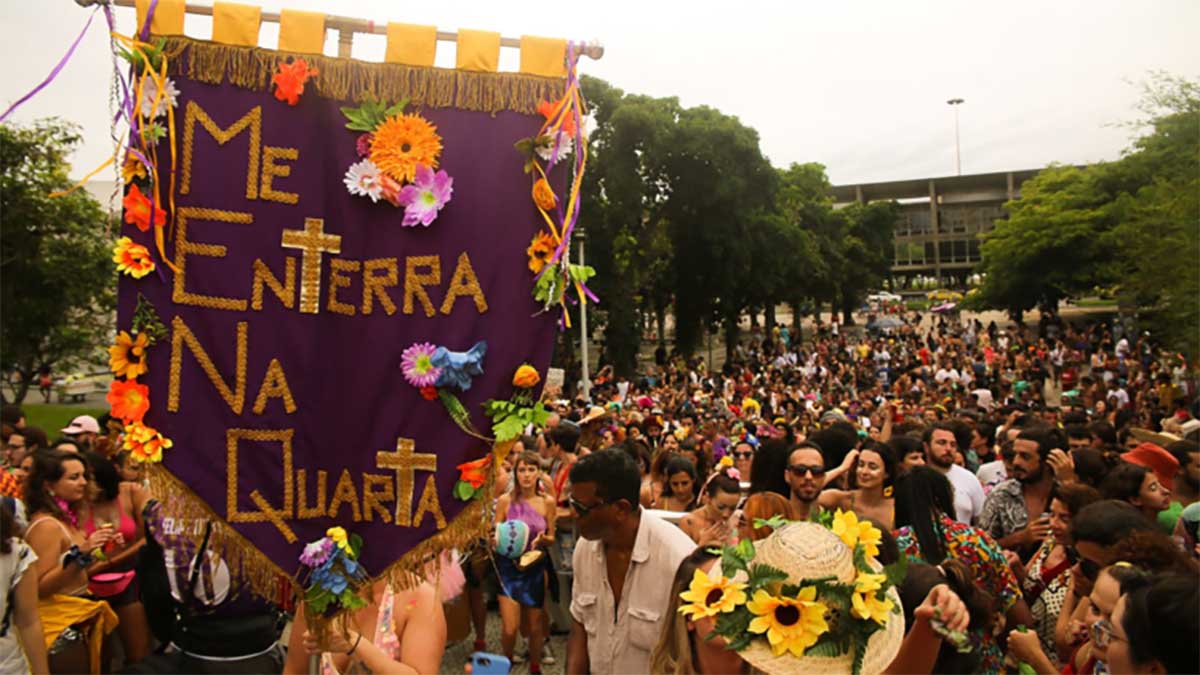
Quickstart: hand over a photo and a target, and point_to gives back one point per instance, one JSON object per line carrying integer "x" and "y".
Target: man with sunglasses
{"x": 623, "y": 566}
{"x": 805, "y": 477}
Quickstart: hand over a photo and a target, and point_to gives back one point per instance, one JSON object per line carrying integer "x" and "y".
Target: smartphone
{"x": 483, "y": 663}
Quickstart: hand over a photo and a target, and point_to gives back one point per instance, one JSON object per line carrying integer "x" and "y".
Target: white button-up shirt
{"x": 621, "y": 636}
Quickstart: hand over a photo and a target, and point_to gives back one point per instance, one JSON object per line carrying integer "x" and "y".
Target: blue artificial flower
{"x": 459, "y": 367}
{"x": 329, "y": 580}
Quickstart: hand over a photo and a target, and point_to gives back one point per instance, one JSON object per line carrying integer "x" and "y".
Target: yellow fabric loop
{"x": 478, "y": 50}
{"x": 546, "y": 57}
{"x": 302, "y": 32}
{"x": 168, "y": 17}
{"x": 85, "y": 179}
{"x": 236, "y": 24}
{"x": 411, "y": 44}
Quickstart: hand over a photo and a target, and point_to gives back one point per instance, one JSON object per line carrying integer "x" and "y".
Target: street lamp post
{"x": 954, "y": 103}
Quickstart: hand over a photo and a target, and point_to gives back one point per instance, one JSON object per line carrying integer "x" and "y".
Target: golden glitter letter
{"x": 372, "y": 499}
{"x": 274, "y": 385}
{"x": 345, "y": 493}
{"x": 303, "y": 510}
{"x": 374, "y": 284}
{"x": 232, "y": 438}
{"x": 183, "y": 248}
{"x": 271, "y": 170}
{"x": 313, "y": 241}
{"x": 415, "y": 282}
{"x": 338, "y": 279}
{"x": 182, "y": 335}
{"x": 464, "y": 282}
{"x": 252, "y": 119}
{"x": 430, "y": 504}
{"x": 285, "y": 291}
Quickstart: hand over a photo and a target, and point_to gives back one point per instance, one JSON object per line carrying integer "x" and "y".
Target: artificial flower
{"x": 865, "y": 604}
{"x": 289, "y": 80}
{"x": 127, "y": 358}
{"x": 726, "y": 462}
{"x": 362, "y": 145}
{"x": 526, "y": 377}
{"x": 474, "y": 472}
{"x": 129, "y": 400}
{"x": 546, "y": 109}
{"x": 132, "y": 259}
{"x": 402, "y": 142}
{"x": 709, "y": 597}
{"x": 429, "y": 393}
{"x": 145, "y": 444}
{"x": 545, "y": 146}
{"x": 543, "y": 195}
{"x": 459, "y": 367}
{"x": 540, "y": 250}
{"x": 362, "y": 179}
{"x": 137, "y": 210}
{"x": 389, "y": 189}
{"x": 332, "y": 581}
{"x": 791, "y": 624}
{"x": 851, "y": 531}
{"x": 734, "y": 474}
{"x": 417, "y": 365}
{"x": 316, "y": 553}
{"x": 427, "y": 194}
{"x": 150, "y": 92}
{"x": 339, "y": 537}
{"x": 132, "y": 168}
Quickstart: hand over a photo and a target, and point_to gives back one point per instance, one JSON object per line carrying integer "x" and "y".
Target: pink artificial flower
{"x": 425, "y": 196}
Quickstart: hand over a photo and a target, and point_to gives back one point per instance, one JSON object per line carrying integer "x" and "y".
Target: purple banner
{"x": 280, "y": 382}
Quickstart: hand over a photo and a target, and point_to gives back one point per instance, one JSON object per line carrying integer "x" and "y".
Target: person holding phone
{"x": 1016, "y": 512}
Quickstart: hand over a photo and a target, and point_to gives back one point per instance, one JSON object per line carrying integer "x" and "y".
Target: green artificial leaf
{"x": 463, "y": 491}
{"x": 356, "y": 544}
{"x": 152, "y": 133}
{"x": 508, "y": 428}
{"x": 897, "y": 571}
{"x": 745, "y": 550}
{"x": 731, "y": 563}
{"x": 761, "y": 575}
{"x": 524, "y": 146}
{"x": 825, "y": 647}
{"x": 319, "y": 601}
{"x": 540, "y": 415}
{"x": 396, "y": 109}
{"x": 581, "y": 273}
{"x": 774, "y": 522}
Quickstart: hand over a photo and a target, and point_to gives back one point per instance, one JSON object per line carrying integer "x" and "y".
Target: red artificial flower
{"x": 546, "y": 109}
{"x": 129, "y": 400}
{"x": 475, "y": 472}
{"x": 137, "y": 210}
{"x": 289, "y": 80}
{"x": 430, "y": 393}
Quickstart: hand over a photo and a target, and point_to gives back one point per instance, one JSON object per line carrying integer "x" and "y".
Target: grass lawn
{"x": 52, "y": 417}
{"x": 1095, "y": 302}
{"x": 919, "y": 305}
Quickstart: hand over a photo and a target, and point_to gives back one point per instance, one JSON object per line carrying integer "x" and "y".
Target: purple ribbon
{"x": 144, "y": 33}
{"x": 53, "y": 73}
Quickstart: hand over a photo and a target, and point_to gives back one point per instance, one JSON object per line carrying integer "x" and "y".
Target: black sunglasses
{"x": 1089, "y": 568}
{"x": 583, "y": 509}
{"x": 744, "y": 455}
{"x": 798, "y": 470}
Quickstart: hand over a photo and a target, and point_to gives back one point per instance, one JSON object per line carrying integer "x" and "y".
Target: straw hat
{"x": 594, "y": 413}
{"x": 807, "y": 550}
{"x": 1159, "y": 438}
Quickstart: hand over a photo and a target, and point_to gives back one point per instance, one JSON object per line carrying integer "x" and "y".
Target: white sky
{"x": 858, "y": 86}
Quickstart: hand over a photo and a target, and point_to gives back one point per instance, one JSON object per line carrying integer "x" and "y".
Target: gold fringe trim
{"x": 262, "y": 575}
{"x": 350, "y": 80}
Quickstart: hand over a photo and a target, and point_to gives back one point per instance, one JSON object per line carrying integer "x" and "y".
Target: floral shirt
{"x": 1046, "y": 599}
{"x": 1004, "y": 510}
{"x": 984, "y": 558}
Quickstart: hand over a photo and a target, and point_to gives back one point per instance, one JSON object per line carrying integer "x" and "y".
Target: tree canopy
{"x": 57, "y": 289}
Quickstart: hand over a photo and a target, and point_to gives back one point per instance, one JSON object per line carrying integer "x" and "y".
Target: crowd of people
{"x": 1042, "y": 482}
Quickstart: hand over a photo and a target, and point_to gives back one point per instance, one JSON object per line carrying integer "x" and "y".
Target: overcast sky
{"x": 858, "y": 86}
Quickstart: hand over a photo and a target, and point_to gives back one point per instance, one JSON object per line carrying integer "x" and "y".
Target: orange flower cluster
{"x": 546, "y": 109}
{"x": 401, "y": 142}
{"x": 129, "y": 400}
{"x": 474, "y": 473}
{"x": 137, "y": 210}
{"x": 543, "y": 195}
{"x": 132, "y": 259}
{"x": 289, "y": 80}
{"x": 145, "y": 444}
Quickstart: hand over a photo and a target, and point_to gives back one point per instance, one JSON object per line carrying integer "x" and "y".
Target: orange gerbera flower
{"x": 402, "y": 142}
{"x": 132, "y": 259}
{"x": 145, "y": 444}
{"x": 289, "y": 80}
{"x": 540, "y": 250}
{"x": 129, "y": 400}
{"x": 127, "y": 358}
{"x": 137, "y": 210}
{"x": 546, "y": 109}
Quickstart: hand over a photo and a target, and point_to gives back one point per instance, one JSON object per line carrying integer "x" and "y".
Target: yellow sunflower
{"x": 791, "y": 624}
{"x": 865, "y": 604}
{"x": 127, "y": 358}
{"x": 709, "y": 597}
{"x": 144, "y": 443}
{"x": 851, "y": 531}
{"x": 132, "y": 259}
{"x": 401, "y": 142}
{"x": 132, "y": 169}
{"x": 540, "y": 250}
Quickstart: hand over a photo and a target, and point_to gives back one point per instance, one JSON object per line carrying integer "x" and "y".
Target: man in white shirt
{"x": 623, "y": 564}
{"x": 940, "y": 449}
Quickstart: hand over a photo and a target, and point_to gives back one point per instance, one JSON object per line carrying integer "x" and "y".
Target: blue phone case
{"x": 483, "y": 663}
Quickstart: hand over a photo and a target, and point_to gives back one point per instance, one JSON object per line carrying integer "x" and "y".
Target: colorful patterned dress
{"x": 984, "y": 558}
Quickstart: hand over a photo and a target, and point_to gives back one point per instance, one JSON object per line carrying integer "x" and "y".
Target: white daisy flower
{"x": 545, "y": 145}
{"x": 362, "y": 179}
{"x": 150, "y": 92}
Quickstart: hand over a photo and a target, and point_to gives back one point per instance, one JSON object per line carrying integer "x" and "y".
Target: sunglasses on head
{"x": 798, "y": 470}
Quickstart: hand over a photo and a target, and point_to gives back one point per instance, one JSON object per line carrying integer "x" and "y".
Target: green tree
{"x": 866, "y": 255}
{"x": 57, "y": 290}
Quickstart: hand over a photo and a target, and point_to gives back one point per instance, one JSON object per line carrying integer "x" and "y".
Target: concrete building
{"x": 941, "y": 220}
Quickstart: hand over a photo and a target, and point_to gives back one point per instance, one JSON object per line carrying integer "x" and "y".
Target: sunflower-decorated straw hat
{"x": 810, "y": 598}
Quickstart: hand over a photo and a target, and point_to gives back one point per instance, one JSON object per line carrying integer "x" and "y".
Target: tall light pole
{"x": 954, "y": 103}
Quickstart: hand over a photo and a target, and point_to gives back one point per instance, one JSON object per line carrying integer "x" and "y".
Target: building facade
{"x": 941, "y": 222}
